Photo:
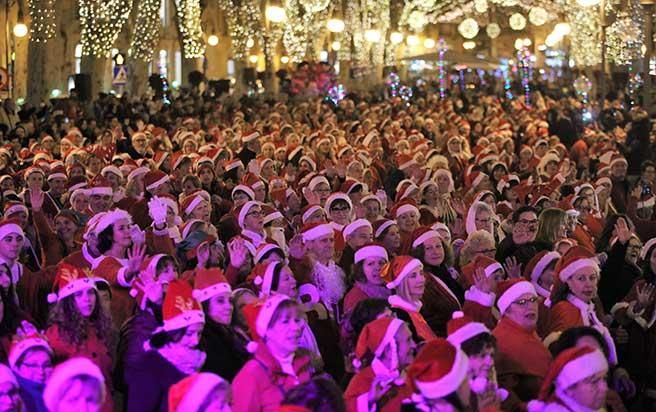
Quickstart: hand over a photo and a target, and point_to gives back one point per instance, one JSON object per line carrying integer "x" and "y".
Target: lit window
{"x": 164, "y": 12}
{"x": 231, "y": 67}
{"x": 78, "y": 58}
{"x": 178, "y": 67}
{"x": 163, "y": 63}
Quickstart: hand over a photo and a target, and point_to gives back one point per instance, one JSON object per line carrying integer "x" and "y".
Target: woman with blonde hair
{"x": 552, "y": 226}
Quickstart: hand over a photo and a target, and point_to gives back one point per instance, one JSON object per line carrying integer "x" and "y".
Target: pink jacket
{"x": 261, "y": 384}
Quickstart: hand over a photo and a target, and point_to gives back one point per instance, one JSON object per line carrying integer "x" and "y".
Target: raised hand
{"x": 238, "y": 252}
{"x": 459, "y": 206}
{"x": 482, "y": 282}
{"x": 645, "y": 295}
{"x": 512, "y": 267}
{"x": 311, "y": 197}
{"x": 622, "y": 231}
{"x": 297, "y": 247}
{"x": 157, "y": 210}
{"x": 136, "y": 255}
{"x": 203, "y": 256}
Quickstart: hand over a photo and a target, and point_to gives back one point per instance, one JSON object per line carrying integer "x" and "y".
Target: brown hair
{"x": 73, "y": 327}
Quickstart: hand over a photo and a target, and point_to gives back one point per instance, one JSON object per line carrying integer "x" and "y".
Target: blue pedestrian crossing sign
{"x": 120, "y": 75}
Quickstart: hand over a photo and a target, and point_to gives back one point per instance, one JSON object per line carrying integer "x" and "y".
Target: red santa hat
{"x": 511, "y": 290}
{"x": 251, "y": 180}
{"x": 317, "y": 180}
{"x": 403, "y": 207}
{"x": 570, "y": 367}
{"x": 180, "y": 309}
{"x": 470, "y": 221}
{"x": 461, "y": 328}
{"x": 100, "y": 186}
{"x": 355, "y": 225}
{"x": 269, "y": 214}
{"x": 422, "y": 235}
{"x": 63, "y": 373}
{"x": 373, "y": 250}
{"x": 314, "y": 231}
{"x": 308, "y": 211}
{"x": 111, "y": 169}
{"x": 57, "y": 172}
{"x": 209, "y": 283}
{"x": 265, "y": 248}
{"x": 244, "y": 189}
{"x": 372, "y": 196}
{"x": 266, "y": 311}
{"x": 375, "y": 337}
{"x": 486, "y": 264}
{"x": 262, "y": 276}
{"x": 12, "y": 207}
{"x": 244, "y": 210}
{"x": 438, "y": 369}
{"x": 538, "y": 263}
{"x": 405, "y": 161}
{"x": 381, "y": 225}
{"x": 69, "y": 280}
{"x": 31, "y": 170}
{"x": 191, "y": 202}
{"x": 350, "y": 185}
{"x": 647, "y": 246}
{"x": 139, "y": 171}
{"x": 334, "y": 197}
{"x": 233, "y": 164}
{"x": 177, "y": 158}
{"x": 401, "y": 266}
{"x": 617, "y": 158}
{"x": 575, "y": 259}
{"x": 189, "y": 394}
{"x": 250, "y": 135}
{"x": 22, "y": 344}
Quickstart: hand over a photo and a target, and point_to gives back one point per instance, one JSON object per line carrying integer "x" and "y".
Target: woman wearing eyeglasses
{"x": 31, "y": 360}
{"x": 574, "y": 296}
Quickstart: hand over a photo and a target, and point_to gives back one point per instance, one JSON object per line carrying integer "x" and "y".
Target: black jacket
{"x": 226, "y": 350}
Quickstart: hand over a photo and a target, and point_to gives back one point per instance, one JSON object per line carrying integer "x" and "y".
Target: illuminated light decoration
{"x": 406, "y": 94}
{"x": 585, "y": 38}
{"x": 412, "y": 40}
{"x": 42, "y": 20}
{"x": 101, "y": 21}
{"x": 542, "y": 47}
{"x": 493, "y": 30}
{"x": 468, "y": 28}
{"x": 213, "y": 40}
{"x": 20, "y": 30}
{"x": 634, "y": 85}
{"x": 429, "y": 43}
{"x": 562, "y": 29}
{"x": 393, "y": 83}
{"x": 551, "y": 40}
{"x": 480, "y": 6}
{"x": 538, "y": 16}
{"x": 396, "y": 37}
{"x": 372, "y": 36}
{"x": 524, "y": 61}
{"x": 441, "y": 67}
{"x": 336, "y": 45}
{"x": 519, "y": 44}
{"x": 361, "y": 18}
{"x": 417, "y": 20}
{"x": 588, "y": 3}
{"x": 252, "y": 58}
{"x": 517, "y": 22}
{"x": 527, "y": 42}
{"x": 284, "y": 59}
{"x": 189, "y": 13}
{"x": 243, "y": 19}
{"x": 625, "y": 38}
{"x": 335, "y": 25}
{"x": 301, "y": 34}
{"x": 337, "y": 93}
{"x": 469, "y": 45}
{"x": 275, "y": 14}
{"x": 145, "y": 36}
{"x": 55, "y": 93}
{"x": 315, "y": 6}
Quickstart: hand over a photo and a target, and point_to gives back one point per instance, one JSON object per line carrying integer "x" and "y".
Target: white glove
{"x": 157, "y": 210}
{"x": 254, "y": 167}
{"x": 380, "y": 194}
{"x": 138, "y": 236}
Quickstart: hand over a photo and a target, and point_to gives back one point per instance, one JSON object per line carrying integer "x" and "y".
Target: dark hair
{"x": 338, "y": 202}
{"x": 70, "y": 215}
{"x": 161, "y": 339}
{"x": 384, "y": 232}
{"x": 478, "y": 344}
{"x": 604, "y": 239}
{"x": 647, "y": 163}
{"x": 195, "y": 180}
{"x": 570, "y": 336}
{"x": 524, "y": 209}
{"x": 366, "y": 311}
{"x": 106, "y": 239}
{"x": 10, "y": 320}
{"x": 419, "y": 253}
{"x": 21, "y": 358}
{"x": 103, "y": 286}
{"x": 73, "y": 327}
{"x": 163, "y": 262}
{"x": 319, "y": 394}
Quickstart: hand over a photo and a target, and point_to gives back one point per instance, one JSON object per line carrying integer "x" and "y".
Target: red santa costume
{"x": 191, "y": 393}
{"x": 375, "y": 338}
{"x": 532, "y": 272}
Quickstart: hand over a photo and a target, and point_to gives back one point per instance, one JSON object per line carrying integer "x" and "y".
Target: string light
{"x": 306, "y": 21}
{"x": 189, "y": 13}
{"x": 243, "y": 19}
{"x": 441, "y": 67}
{"x": 517, "y": 22}
{"x": 364, "y": 16}
{"x": 493, "y": 30}
{"x": 538, "y": 16}
{"x": 585, "y": 36}
{"x": 145, "y": 37}
{"x": 468, "y": 28}
{"x": 393, "y": 83}
{"x": 42, "y": 16}
{"x": 524, "y": 62}
{"x": 624, "y": 37}
{"x": 101, "y": 22}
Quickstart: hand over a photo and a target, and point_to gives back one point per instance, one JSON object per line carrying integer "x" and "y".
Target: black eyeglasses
{"x": 523, "y": 302}
{"x": 340, "y": 209}
{"x": 527, "y": 222}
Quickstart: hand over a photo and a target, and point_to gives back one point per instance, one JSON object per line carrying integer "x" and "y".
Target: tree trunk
{"x": 37, "y": 88}
{"x": 95, "y": 67}
{"x": 138, "y": 77}
{"x": 188, "y": 66}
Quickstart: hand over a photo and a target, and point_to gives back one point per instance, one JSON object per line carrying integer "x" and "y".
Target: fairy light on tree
{"x": 42, "y": 20}
{"x": 101, "y": 22}
{"x": 188, "y": 13}
{"x": 441, "y": 67}
{"x": 146, "y": 31}
{"x": 244, "y": 23}
{"x": 524, "y": 65}
{"x": 624, "y": 38}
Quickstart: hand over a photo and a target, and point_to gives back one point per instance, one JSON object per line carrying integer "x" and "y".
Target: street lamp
{"x": 275, "y": 14}
{"x": 20, "y": 29}
{"x": 429, "y": 43}
{"x": 213, "y": 40}
{"x": 412, "y": 40}
{"x": 335, "y": 25}
{"x": 336, "y": 45}
{"x": 396, "y": 37}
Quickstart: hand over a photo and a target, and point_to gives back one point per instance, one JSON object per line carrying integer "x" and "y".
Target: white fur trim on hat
{"x": 100, "y": 191}
{"x": 112, "y": 217}
{"x": 470, "y": 221}
{"x": 9, "y": 228}
{"x": 111, "y": 169}
{"x": 383, "y": 227}
{"x": 250, "y": 136}
{"x": 272, "y": 216}
{"x": 393, "y": 327}
{"x": 316, "y": 180}
{"x": 317, "y": 232}
{"x": 311, "y": 210}
{"x": 187, "y": 318}
{"x": 202, "y": 295}
{"x": 22, "y": 346}
{"x": 617, "y": 160}
{"x": 542, "y": 265}
{"x": 72, "y": 287}
{"x": 450, "y": 382}
{"x": 370, "y": 251}
{"x": 513, "y": 293}
{"x": 335, "y": 197}
{"x": 569, "y": 270}
{"x": 245, "y": 189}
{"x": 265, "y": 281}
{"x": 406, "y": 209}
{"x": 158, "y": 183}
{"x": 139, "y": 171}
{"x": 198, "y": 392}
{"x": 466, "y": 332}
{"x": 441, "y": 226}
{"x": 266, "y": 313}
{"x": 355, "y": 225}
{"x": 424, "y": 237}
{"x": 64, "y": 372}
{"x": 193, "y": 204}
{"x": 650, "y": 243}
{"x": 52, "y": 176}
{"x": 263, "y": 250}
{"x": 372, "y": 197}
{"x": 407, "y": 164}
{"x": 407, "y": 269}
{"x": 19, "y": 207}
{"x": 244, "y": 211}
{"x": 581, "y": 368}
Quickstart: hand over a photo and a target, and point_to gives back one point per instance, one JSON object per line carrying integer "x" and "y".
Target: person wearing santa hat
{"x": 404, "y": 276}
{"x": 387, "y": 232}
{"x": 438, "y": 376}
{"x": 406, "y": 215}
{"x": 76, "y": 385}
{"x": 79, "y": 325}
{"x": 477, "y": 342}
{"x": 620, "y": 185}
{"x": 573, "y": 297}
{"x": 540, "y": 272}
{"x": 172, "y": 353}
{"x": 373, "y": 207}
{"x": 200, "y": 392}
{"x": 339, "y": 210}
{"x": 100, "y": 196}
{"x": 368, "y": 265}
{"x": 277, "y": 365}
{"x": 356, "y": 234}
{"x": 251, "y": 222}
{"x": 576, "y": 381}
{"x": 443, "y": 294}
{"x": 380, "y": 384}
{"x": 224, "y": 337}
{"x": 31, "y": 360}
{"x": 522, "y": 360}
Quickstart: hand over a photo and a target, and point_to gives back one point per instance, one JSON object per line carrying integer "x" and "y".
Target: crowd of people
{"x": 378, "y": 254}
